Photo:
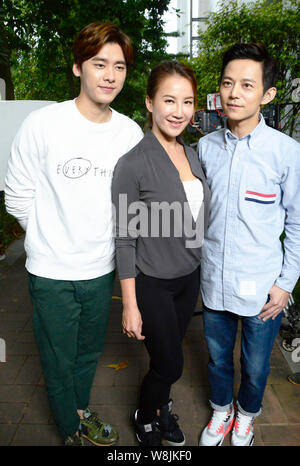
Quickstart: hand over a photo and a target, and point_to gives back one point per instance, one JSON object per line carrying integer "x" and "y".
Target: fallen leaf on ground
{"x": 120, "y": 365}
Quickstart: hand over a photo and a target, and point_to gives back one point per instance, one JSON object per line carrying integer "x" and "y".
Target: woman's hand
{"x": 132, "y": 319}
{"x": 132, "y": 322}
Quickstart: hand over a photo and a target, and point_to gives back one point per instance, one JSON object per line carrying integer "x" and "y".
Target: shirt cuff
{"x": 287, "y": 283}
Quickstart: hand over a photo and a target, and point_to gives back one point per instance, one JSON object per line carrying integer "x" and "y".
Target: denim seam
{"x": 242, "y": 411}
{"x": 221, "y": 408}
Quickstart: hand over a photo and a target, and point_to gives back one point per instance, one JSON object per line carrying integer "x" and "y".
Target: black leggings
{"x": 166, "y": 307}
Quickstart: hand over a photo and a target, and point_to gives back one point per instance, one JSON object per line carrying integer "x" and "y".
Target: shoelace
{"x": 242, "y": 424}
{"x": 218, "y": 418}
{"x": 99, "y": 424}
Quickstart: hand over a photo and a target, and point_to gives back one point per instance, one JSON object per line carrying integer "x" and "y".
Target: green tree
{"x": 7, "y": 43}
{"x": 43, "y": 68}
{"x": 276, "y": 24}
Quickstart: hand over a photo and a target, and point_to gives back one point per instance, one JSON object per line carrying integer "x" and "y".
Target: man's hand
{"x": 278, "y": 300}
{"x": 132, "y": 322}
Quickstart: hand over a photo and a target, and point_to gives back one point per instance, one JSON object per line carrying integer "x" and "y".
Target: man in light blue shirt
{"x": 253, "y": 172}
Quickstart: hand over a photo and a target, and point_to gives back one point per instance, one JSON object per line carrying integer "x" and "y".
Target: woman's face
{"x": 172, "y": 106}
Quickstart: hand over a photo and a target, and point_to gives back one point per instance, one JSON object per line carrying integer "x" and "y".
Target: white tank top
{"x": 194, "y": 194}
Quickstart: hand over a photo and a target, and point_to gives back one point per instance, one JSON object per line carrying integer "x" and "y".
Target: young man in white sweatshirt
{"x": 58, "y": 186}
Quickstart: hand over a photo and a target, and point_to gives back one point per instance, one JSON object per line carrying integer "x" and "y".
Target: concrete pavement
{"x": 25, "y": 417}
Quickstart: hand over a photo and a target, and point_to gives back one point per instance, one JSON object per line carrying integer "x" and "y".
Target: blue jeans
{"x": 257, "y": 339}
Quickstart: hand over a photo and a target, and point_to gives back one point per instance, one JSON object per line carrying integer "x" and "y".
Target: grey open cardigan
{"x": 147, "y": 177}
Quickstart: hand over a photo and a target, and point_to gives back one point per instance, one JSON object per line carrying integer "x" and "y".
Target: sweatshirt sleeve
{"x": 125, "y": 198}
{"x": 23, "y": 167}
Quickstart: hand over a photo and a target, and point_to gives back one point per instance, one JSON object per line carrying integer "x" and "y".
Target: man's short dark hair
{"x": 94, "y": 36}
{"x": 256, "y": 52}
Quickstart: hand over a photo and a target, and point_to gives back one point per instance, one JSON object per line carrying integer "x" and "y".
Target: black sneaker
{"x": 170, "y": 430}
{"x": 147, "y": 434}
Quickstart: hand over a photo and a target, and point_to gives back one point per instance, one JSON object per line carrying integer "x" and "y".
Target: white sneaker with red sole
{"x": 218, "y": 427}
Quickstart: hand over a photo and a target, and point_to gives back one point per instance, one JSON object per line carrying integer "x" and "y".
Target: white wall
{"x": 12, "y": 114}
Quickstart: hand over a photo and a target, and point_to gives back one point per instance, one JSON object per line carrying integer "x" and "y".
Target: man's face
{"x": 102, "y": 76}
{"x": 242, "y": 91}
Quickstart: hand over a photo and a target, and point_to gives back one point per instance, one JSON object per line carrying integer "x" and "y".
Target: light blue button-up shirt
{"x": 255, "y": 187}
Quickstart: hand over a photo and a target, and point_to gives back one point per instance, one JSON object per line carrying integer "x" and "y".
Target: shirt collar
{"x": 251, "y": 137}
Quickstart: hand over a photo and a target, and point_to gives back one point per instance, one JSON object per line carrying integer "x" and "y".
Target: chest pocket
{"x": 259, "y": 205}
{"x": 260, "y": 197}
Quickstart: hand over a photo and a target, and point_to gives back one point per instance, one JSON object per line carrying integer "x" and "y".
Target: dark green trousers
{"x": 70, "y": 321}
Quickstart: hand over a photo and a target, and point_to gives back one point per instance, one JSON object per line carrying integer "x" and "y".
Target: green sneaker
{"x": 74, "y": 441}
{"x": 97, "y": 431}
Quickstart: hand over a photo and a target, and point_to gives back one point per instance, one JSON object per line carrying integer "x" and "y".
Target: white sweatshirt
{"x": 58, "y": 186}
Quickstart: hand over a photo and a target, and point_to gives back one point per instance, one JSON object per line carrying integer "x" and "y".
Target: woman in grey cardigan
{"x": 161, "y": 199}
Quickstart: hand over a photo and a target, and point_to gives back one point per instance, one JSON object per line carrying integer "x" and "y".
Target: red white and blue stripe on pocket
{"x": 260, "y": 198}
